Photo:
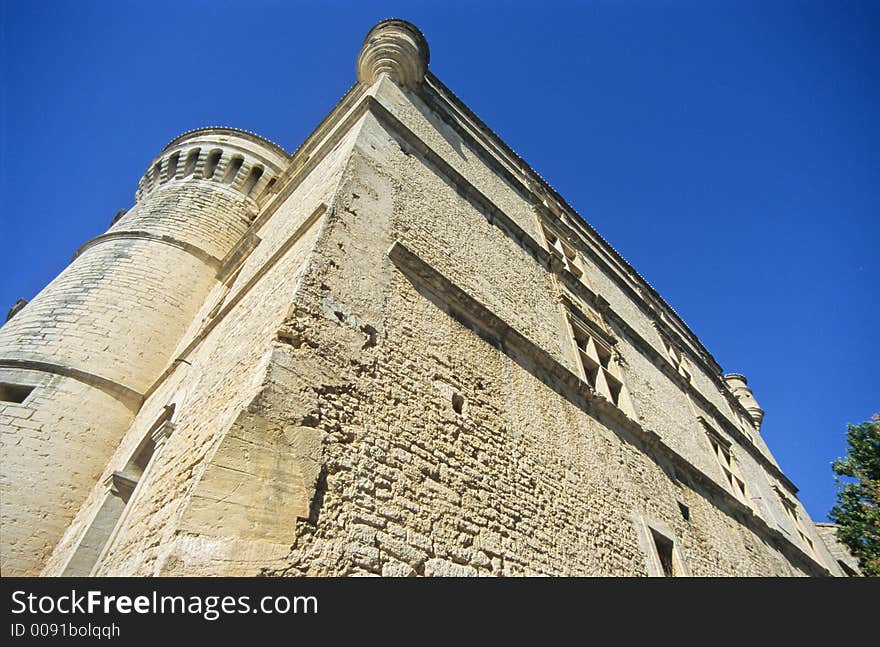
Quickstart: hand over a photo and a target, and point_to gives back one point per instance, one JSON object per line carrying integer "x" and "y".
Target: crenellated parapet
{"x": 227, "y": 157}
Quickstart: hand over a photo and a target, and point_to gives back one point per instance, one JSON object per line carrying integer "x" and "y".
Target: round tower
{"x": 77, "y": 360}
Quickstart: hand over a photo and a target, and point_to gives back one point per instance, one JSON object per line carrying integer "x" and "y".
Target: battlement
{"x": 240, "y": 160}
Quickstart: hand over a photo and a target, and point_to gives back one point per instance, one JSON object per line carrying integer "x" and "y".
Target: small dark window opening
{"x": 172, "y": 166}
{"x": 233, "y": 169}
{"x": 189, "y": 166}
{"x": 268, "y": 189}
{"x": 664, "y": 552}
{"x": 16, "y": 393}
{"x": 614, "y": 388}
{"x": 254, "y": 177}
{"x": 592, "y": 373}
{"x": 457, "y": 403}
{"x": 157, "y": 170}
{"x": 846, "y": 568}
{"x": 211, "y": 164}
{"x": 118, "y": 215}
{"x": 685, "y": 511}
{"x": 604, "y": 356}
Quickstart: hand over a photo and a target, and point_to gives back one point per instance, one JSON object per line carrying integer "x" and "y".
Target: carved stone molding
{"x": 739, "y": 387}
{"x": 396, "y": 48}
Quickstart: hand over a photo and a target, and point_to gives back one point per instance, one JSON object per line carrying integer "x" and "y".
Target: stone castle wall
{"x": 367, "y": 362}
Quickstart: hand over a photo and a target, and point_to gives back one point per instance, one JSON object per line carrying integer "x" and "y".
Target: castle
{"x": 396, "y": 351}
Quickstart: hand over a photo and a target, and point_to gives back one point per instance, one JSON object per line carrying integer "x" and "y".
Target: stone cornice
{"x": 207, "y": 259}
{"x": 496, "y": 216}
{"x": 125, "y": 394}
{"x": 527, "y": 180}
{"x": 357, "y": 102}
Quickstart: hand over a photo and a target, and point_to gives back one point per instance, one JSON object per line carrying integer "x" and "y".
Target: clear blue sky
{"x": 729, "y": 150}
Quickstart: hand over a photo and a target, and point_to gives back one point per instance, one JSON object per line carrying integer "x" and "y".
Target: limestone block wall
{"x": 442, "y": 453}
{"x": 360, "y": 361}
{"x": 404, "y": 435}
{"x": 171, "y": 524}
{"x": 48, "y": 450}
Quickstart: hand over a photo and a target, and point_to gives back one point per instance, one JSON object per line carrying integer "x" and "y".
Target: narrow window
{"x": 233, "y": 168}
{"x": 664, "y": 547}
{"x": 791, "y": 509}
{"x": 172, "y": 166}
{"x": 267, "y": 190}
{"x": 121, "y": 485}
{"x": 685, "y": 511}
{"x": 189, "y": 166}
{"x": 15, "y": 393}
{"x": 157, "y": 171}
{"x": 211, "y": 164}
{"x": 721, "y": 450}
{"x": 663, "y": 556}
{"x": 252, "y": 179}
{"x": 457, "y": 403}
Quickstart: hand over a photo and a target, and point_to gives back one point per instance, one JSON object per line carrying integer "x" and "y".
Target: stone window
{"x": 267, "y": 189}
{"x": 171, "y": 171}
{"x": 598, "y": 362}
{"x": 192, "y": 159}
{"x": 721, "y": 450}
{"x": 676, "y": 358}
{"x": 252, "y": 179}
{"x": 15, "y": 393}
{"x": 663, "y": 548}
{"x": 120, "y": 487}
{"x": 745, "y": 426}
{"x": 564, "y": 253}
{"x": 157, "y": 173}
{"x": 663, "y": 557}
{"x": 792, "y": 511}
{"x": 211, "y": 163}
{"x": 232, "y": 170}
{"x": 685, "y": 511}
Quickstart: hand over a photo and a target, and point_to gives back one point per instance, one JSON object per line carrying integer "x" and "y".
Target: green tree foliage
{"x": 857, "y": 510}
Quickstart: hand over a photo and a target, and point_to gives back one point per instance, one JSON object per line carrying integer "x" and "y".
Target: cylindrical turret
{"x": 740, "y": 388}
{"x": 76, "y": 361}
{"x": 397, "y": 48}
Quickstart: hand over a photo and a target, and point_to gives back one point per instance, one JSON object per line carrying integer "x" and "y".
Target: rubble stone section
{"x": 362, "y": 363}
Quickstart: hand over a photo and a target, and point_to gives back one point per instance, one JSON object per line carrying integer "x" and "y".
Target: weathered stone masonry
{"x": 395, "y": 352}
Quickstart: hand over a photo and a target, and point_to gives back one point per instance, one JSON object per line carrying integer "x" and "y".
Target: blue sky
{"x": 729, "y": 150}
